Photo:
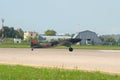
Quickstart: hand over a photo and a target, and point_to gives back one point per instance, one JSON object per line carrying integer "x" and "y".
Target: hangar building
{"x": 88, "y": 38}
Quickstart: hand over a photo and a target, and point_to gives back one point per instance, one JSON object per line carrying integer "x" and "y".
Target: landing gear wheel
{"x": 70, "y": 49}
{"x": 32, "y": 49}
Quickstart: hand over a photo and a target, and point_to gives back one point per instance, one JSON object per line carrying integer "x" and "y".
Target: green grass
{"x": 96, "y": 47}
{"x": 14, "y": 46}
{"x": 8, "y": 72}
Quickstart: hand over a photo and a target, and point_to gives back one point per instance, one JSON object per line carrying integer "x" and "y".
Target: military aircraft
{"x": 41, "y": 43}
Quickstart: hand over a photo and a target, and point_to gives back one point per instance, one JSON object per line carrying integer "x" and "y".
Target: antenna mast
{"x": 2, "y": 29}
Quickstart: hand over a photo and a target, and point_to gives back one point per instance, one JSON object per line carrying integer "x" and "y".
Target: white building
{"x": 30, "y": 34}
{"x": 16, "y": 40}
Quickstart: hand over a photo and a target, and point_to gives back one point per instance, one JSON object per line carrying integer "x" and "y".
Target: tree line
{"x": 10, "y": 32}
{"x": 109, "y": 38}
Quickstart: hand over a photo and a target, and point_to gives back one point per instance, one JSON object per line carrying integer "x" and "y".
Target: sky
{"x": 63, "y": 16}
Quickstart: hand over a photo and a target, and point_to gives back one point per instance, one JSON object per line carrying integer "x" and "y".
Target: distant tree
{"x": 118, "y": 39}
{"x": 10, "y": 32}
{"x": 0, "y": 33}
{"x": 67, "y": 34}
{"x": 102, "y": 38}
{"x": 19, "y": 33}
{"x": 50, "y": 33}
{"x": 72, "y": 35}
{"x": 111, "y": 39}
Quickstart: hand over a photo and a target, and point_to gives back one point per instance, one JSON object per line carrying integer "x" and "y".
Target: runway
{"x": 90, "y": 60}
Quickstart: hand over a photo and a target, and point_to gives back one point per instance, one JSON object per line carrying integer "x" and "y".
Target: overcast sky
{"x": 64, "y": 16}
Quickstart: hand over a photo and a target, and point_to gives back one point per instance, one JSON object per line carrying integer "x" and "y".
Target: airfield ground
{"x": 91, "y": 60}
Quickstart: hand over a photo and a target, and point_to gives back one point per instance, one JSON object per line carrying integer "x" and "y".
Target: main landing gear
{"x": 70, "y": 49}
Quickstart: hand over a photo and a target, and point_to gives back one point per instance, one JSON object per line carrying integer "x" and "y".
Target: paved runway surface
{"x": 100, "y": 60}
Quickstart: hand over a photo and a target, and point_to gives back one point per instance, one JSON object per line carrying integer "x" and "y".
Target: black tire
{"x": 32, "y": 49}
{"x": 70, "y": 49}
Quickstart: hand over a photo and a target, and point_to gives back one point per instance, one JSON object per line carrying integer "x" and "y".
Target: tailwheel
{"x": 32, "y": 49}
{"x": 70, "y": 49}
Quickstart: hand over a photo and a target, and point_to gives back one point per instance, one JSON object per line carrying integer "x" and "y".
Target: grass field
{"x": 8, "y": 72}
{"x": 14, "y": 46}
{"x": 95, "y": 47}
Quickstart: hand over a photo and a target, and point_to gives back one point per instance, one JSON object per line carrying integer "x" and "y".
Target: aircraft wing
{"x": 68, "y": 42}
